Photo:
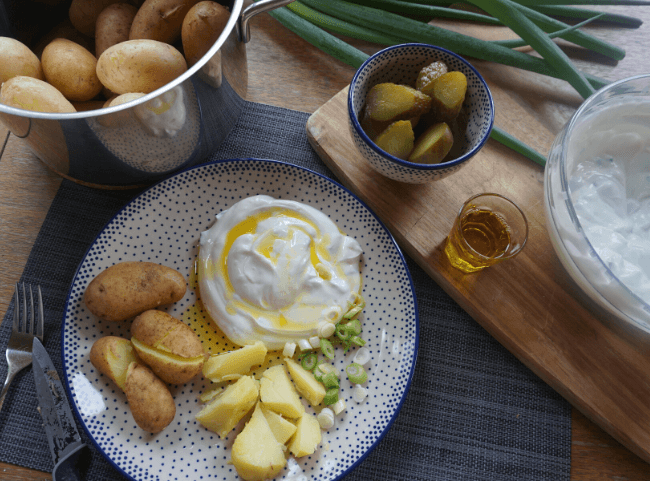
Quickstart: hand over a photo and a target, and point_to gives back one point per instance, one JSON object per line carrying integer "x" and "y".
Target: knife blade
{"x": 59, "y": 423}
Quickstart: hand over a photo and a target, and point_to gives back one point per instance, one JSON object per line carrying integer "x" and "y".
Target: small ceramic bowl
{"x": 401, "y": 64}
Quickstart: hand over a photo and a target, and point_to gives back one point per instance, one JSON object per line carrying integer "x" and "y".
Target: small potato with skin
{"x": 126, "y": 289}
{"x": 112, "y": 355}
{"x": 71, "y": 69}
{"x": 32, "y": 94}
{"x": 113, "y": 26}
{"x": 16, "y": 59}
{"x": 151, "y": 403}
{"x": 83, "y": 14}
{"x": 160, "y": 20}
{"x": 139, "y": 66}
{"x": 201, "y": 28}
{"x": 118, "y": 118}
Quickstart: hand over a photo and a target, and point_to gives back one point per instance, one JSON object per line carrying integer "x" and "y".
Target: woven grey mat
{"x": 474, "y": 412}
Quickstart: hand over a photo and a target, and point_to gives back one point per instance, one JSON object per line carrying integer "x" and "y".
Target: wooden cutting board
{"x": 529, "y": 304}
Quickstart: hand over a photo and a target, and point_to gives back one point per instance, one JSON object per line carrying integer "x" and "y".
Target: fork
{"x": 19, "y": 348}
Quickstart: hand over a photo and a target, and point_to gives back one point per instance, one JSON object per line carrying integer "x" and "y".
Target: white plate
{"x": 162, "y": 225}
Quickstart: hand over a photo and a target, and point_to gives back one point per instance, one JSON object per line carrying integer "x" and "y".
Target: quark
{"x": 272, "y": 270}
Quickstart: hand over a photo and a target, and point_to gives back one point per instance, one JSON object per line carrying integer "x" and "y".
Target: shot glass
{"x": 489, "y": 229}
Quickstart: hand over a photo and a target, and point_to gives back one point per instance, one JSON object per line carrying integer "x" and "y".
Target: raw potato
{"x": 398, "y": 139}
{"x": 433, "y": 145}
{"x": 160, "y": 20}
{"x": 126, "y": 289}
{"x": 256, "y": 454}
{"x": 201, "y": 28}
{"x": 447, "y": 95}
{"x": 113, "y": 26}
{"x": 226, "y": 409}
{"x": 168, "y": 346}
{"x": 112, "y": 356}
{"x": 16, "y": 59}
{"x": 151, "y": 403}
{"x": 71, "y": 69}
{"x": 390, "y": 102}
{"x": 32, "y": 94}
{"x": 139, "y": 66}
{"x": 83, "y": 14}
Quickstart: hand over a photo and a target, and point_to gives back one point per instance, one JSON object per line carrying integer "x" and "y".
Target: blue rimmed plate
{"x": 162, "y": 225}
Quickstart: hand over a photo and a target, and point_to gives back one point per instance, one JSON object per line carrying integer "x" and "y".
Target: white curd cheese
{"x": 272, "y": 270}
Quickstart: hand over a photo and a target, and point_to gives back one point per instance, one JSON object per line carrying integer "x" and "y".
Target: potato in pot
{"x": 168, "y": 346}
{"x": 202, "y": 27}
{"x": 17, "y": 59}
{"x": 33, "y": 94}
{"x": 113, "y": 26}
{"x": 160, "y": 20}
{"x": 126, "y": 289}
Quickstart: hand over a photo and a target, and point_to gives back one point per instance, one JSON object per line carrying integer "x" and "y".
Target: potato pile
{"x": 162, "y": 349}
{"x": 418, "y": 123}
{"x": 136, "y": 51}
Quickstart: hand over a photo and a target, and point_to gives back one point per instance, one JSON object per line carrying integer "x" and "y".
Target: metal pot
{"x": 120, "y": 147}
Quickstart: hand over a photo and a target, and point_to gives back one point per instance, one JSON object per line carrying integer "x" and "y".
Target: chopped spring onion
{"x": 357, "y": 341}
{"x": 325, "y": 418}
{"x": 354, "y": 311}
{"x": 356, "y": 373}
{"x": 326, "y": 329}
{"x": 331, "y": 397}
{"x": 362, "y": 356}
{"x": 326, "y": 368}
{"x": 327, "y": 349}
{"x": 339, "y": 407}
{"x": 354, "y": 326}
{"x": 314, "y": 342}
{"x": 309, "y": 361}
{"x": 330, "y": 381}
{"x": 289, "y": 349}
{"x": 359, "y": 393}
{"x": 304, "y": 345}
{"x": 342, "y": 332}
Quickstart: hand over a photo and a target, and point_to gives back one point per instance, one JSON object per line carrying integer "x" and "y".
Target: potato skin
{"x": 17, "y": 59}
{"x": 83, "y": 14}
{"x": 201, "y": 28}
{"x": 32, "y": 94}
{"x": 71, "y": 69}
{"x": 139, "y": 66}
{"x": 126, "y": 289}
{"x": 113, "y": 26}
{"x": 151, "y": 403}
{"x": 112, "y": 355}
{"x": 160, "y": 20}
{"x": 161, "y": 330}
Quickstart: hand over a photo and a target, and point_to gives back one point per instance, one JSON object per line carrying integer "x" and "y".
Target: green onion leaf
{"x": 327, "y": 348}
{"x": 358, "y": 341}
{"x": 356, "y": 373}
{"x": 330, "y": 380}
{"x": 309, "y": 361}
{"x": 331, "y": 397}
{"x": 517, "y": 145}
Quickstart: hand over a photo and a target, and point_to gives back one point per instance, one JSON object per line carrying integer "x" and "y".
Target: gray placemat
{"x": 474, "y": 412}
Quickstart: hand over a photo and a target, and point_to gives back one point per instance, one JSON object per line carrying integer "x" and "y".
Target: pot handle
{"x": 243, "y": 26}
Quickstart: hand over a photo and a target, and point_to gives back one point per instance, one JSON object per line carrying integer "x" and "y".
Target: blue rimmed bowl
{"x": 400, "y": 64}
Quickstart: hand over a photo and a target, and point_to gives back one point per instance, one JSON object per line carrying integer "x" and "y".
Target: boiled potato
{"x": 32, "y": 94}
{"x": 256, "y": 454}
{"x": 126, "y": 289}
{"x": 278, "y": 393}
{"x": 113, "y": 26}
{"x": 151, "y": 403}
{"x": 83, "y": 14}
{"x": 16, "y": 59}
{"x": 282, "y": 429}
{"x": 226, "y": 409}
{"x": 88, "y": 105}
{"x": 112, "y": 355}
{"x": 71, "y": 69}
{"x": 305, "y": 382}
{"x": 307, "y": 437}
{"x": 234, "y": 364}
{"x": 398, "y": 139}
{"x": 201, "y": 28}
{"x": 433, "y": 145}
{"x": 168, "y": 346}
{"x": 139, "y": 66}
{"x": 389, "y": 101}
{"x": 118, "y": 118}
{"x": 160, "y": 20}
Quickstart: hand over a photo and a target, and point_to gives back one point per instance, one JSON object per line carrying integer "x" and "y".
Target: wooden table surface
{"x": 286, "y": 71}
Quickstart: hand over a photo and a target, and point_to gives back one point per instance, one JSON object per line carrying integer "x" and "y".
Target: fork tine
{"x": 16, "y": 309}
{"x": 24, "y": 326}
{"x": 32, "y": 312}
{"x": 40, "y": 331}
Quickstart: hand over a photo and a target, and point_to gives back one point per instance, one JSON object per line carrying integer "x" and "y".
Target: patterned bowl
{"x": 401, "y": 64}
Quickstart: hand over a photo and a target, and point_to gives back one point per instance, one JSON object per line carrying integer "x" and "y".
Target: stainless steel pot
{"x": 120, "y": 147}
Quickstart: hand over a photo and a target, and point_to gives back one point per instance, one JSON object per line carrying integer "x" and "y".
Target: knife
{"x": 58, "y": 421}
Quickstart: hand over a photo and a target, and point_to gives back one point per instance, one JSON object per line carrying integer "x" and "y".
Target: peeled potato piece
{"x": 428, "y": 75}
{"x": 398, "y": 139}
{"x": 433, "y": 145}
{"x": 307, "y": 436}
{"x": 447, "y": 95}
{"x": 390, "y": 102}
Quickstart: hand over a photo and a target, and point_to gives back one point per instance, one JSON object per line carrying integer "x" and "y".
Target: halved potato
{"x": 169, "y": 367}
{"x": 111, "y": 355}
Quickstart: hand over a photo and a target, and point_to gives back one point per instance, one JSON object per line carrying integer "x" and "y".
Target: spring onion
{"x": 331, "y": 397}
{"x": 325, "y": 418}
{"x": 309, "y": 361}
{"x": 289, "y": 349}
{"x": 314, "y": 342}
{"x": 342, "y": 332}
{"x": 580, "y": 13}
{"x": 410, "y": 8}
{"x": 339, "y": 407}
{"x": 304, "y": 345}
{"x": 326, "y": 329}
{"x": 327, "y": 349}
{"x": 356, "y": 373}
{"x": 330, "y": 381}
{"x": 354, "y": 326}
{"x": 362, "y": 356}
{"x": 356, "y": 340}
{"x": 359, "y": 393}
{"x": 517, "y": 145}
